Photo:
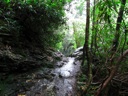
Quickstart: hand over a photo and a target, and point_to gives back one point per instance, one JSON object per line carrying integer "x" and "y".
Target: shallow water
{"x": 61, "y": 81}
{"x": 66, "y": 80}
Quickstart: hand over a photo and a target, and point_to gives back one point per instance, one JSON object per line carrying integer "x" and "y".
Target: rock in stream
{"x": 63, "y": 82}
{"x": 59, "y": 80}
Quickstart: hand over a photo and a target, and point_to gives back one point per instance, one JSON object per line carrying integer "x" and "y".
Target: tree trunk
{"x": 86, "y": 48}
{"x": 93, "y": 27}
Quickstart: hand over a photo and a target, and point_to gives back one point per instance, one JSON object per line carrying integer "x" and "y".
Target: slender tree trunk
{"x": 119, "y": 20}
{"x": 86, "y": 48}
{"x": 93, "y": 27}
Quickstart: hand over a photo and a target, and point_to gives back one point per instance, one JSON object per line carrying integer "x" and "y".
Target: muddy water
{"x": 65, "y": 81}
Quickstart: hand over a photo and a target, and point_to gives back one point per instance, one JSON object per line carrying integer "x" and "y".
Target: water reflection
{"x": 66, "y": 76}
{"x": 66, "y": 70}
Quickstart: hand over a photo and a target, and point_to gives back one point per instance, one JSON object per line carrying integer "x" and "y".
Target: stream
{"x": 66, "y": 80}
{"x": 61, "y": 80}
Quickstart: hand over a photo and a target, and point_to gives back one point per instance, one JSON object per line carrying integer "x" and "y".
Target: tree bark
{"x": 86, "y": 48}
{"x": 93, "y": 27}
{"x": 118, "y": 24}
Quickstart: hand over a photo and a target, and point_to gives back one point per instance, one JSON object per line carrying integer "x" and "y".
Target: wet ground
{"x": 61, "y": 81}
{"x": 66, "y": 80}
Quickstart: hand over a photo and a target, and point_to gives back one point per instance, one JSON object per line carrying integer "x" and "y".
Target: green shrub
{"x": 33, "y": 22}
{"x": 79, "y": 33}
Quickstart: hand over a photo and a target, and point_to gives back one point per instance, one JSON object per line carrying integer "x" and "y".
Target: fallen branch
{"x": 114, "y": 70}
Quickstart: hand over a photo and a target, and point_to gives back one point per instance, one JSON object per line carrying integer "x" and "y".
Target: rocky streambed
{"x": 62, "y": 81}
{"x": 58, "y": 80}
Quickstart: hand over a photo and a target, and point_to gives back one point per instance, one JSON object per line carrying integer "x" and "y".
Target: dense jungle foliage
{"x": 27, "y": 28}
{"x": 31, "y": 22}
{"x": 103, "y": 35}
{"x": 106, "y": 48}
